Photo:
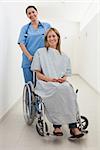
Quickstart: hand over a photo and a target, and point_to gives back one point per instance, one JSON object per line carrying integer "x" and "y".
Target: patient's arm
{"x": 42, "y": 77}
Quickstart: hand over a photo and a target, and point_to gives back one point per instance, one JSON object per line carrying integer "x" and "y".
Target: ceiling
{"x": 73, "y": 10}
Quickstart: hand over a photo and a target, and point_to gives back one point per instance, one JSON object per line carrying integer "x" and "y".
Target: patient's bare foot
{"x": 57, "y": 132}
{"x": 76, "y": 133}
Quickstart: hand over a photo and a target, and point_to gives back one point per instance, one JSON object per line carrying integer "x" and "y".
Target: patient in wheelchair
{"x": 52, "y": 69}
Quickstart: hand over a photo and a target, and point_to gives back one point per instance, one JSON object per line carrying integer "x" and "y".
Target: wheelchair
{"x": 34, "y": 109}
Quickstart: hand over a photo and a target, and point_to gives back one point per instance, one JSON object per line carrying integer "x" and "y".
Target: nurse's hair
{"x": 58, "y": 35}
{"x": 31, "y": 7}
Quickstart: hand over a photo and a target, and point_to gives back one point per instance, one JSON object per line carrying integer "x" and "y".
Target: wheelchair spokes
{"x": 28, "y": 108}
{"x": 33, "y": 108}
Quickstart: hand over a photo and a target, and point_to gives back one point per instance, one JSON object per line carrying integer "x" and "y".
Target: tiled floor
{"x": 16, "y": 135}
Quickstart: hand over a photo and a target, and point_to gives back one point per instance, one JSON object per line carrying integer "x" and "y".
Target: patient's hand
{"x": 54, "y": 80}
{"x": 61, "y": 80}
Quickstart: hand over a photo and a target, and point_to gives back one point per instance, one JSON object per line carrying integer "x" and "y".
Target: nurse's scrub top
{"x": 32, "y": 39}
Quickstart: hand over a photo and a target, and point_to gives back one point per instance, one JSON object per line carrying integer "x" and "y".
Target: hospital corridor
{"x": 78, "y": 22}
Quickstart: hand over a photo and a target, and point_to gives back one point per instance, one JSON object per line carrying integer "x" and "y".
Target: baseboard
{"x": 89, "y": 84}
{"x": 6, "y": 113}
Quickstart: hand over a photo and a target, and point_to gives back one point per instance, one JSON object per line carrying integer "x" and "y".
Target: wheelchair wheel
{"x": 40, "y": 127}
{"x": 28, "y": 107}
{"x": 84, "y": 123}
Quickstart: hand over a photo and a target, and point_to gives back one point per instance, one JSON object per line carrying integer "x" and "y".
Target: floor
{"x": 16, "y": 135}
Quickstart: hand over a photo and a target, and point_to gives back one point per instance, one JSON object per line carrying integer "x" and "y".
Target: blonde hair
{"x": 59, "y": 40}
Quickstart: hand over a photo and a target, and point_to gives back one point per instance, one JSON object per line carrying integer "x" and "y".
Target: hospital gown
{"x": 59, "y": 98}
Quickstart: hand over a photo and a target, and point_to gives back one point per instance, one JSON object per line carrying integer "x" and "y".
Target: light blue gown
{"x": 59, "y": 98}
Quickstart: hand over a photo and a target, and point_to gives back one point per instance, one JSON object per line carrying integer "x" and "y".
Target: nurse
{"x": 30, "y": 39}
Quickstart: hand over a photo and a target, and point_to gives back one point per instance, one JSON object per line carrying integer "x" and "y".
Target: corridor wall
{"x": 89, "y": 53}
{"x": 11, "y": 81}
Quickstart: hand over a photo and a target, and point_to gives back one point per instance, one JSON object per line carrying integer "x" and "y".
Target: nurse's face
{"x": 32, "y": 14}
{"x": 52, "y": 39}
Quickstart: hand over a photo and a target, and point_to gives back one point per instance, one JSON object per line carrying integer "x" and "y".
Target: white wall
{"x": 89, "y": 53}
{"x": 98, "y": 49}
{"x": 93, "y": 9}
{"x": 10, "y": 59}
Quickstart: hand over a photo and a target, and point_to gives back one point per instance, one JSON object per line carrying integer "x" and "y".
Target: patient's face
{"x": 52, "y": 39}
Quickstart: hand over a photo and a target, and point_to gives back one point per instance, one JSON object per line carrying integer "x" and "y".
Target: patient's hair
{"x": 59, "y": 40}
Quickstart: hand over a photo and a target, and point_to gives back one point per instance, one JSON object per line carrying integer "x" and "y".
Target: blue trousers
{"x": 28, "y": 75}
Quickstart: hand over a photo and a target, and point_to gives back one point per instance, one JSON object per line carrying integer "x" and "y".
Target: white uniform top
{"x": 59, "y": 98}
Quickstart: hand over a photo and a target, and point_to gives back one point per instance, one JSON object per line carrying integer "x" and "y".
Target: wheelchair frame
{"x": 33, "y": 108}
